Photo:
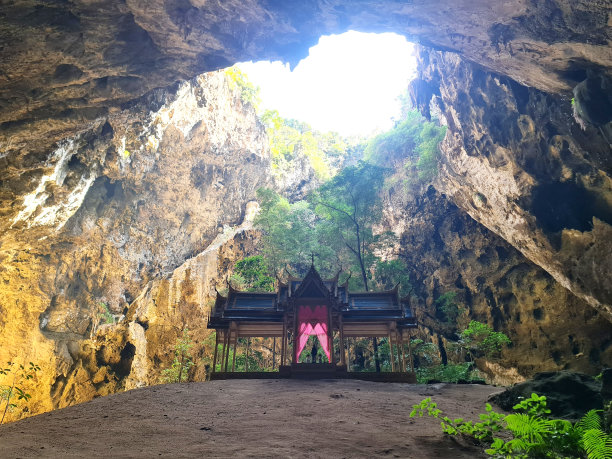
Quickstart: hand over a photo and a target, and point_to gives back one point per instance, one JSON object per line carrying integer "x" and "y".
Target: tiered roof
{"x": 271, "y": 307}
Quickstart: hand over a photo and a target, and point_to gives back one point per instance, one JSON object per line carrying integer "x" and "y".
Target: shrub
{"x": 182, "y": 360}
{"x": 447, "y": 307}
{"x": 15, "y": 388}
{"x": 249, "y": 93}
{"x": 451, "y": 373}
{"x": 484, "y": 339}
{"x": 533, "y": 434}
{"x": 251, "y": 274}
{"x": 104, "y": 314}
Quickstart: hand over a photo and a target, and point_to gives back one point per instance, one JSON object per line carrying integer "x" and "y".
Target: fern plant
{"x": 594, "y": 440}
{"x": 534, "y": 435}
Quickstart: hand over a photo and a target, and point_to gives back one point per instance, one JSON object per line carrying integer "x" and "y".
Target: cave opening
{"x": 349, "y": 83}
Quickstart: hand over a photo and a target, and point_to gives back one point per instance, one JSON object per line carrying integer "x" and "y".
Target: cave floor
{"x": 256, "y": 418}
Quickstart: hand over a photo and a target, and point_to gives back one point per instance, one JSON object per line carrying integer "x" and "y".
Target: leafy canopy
{"x": 251, "y": 275}
{"x": 413, "y": 140}
{"x": 483, "y": 338}
{"x": 238, "y": 80}
{"x": 291, "y": 140}
{"x": 350, "y": 203}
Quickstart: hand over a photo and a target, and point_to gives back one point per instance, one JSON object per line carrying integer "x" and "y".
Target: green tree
{"x": 290, "y": 139}
{"x": 483, "y": 339}
{"x": 389, "y": 273}
{"x": 350, "y": 202}
{"x": 413, "y": 140}
{"x": 251, "y": 274}
{"x": 447, "y": 307}
{"x": 238, "y": 80}
{"x": 289, "y": 232}
{"x": 182, "y": 362}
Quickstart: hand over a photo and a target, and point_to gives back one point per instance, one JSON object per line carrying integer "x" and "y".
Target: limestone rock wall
{"x": 111, "y": 209}
{"x": 516, "y": 160}
{"x": 448, "y": 251}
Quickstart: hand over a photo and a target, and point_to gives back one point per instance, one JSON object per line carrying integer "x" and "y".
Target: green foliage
{"x": 251, "y": 274}
{"x": 451, "y": 373}
{"x": 104, "y": 314}
{"x": 533, "y": 434}
{"x": 426, "y": 351}
{"x": 249, "y": 93}
{"x": 290, "y": 233}
{"x": 351, "y": 205}
{"x": 484, "y": 339}
{"x": 491, "y": 421}
{"x": 389, "y": 273}
{"x": 336, "y": 225}
{"x": 291, "y": 140}
{"x": 595, "y": 441}
{"x": 182, "y": 360}
{"x": 413, "y": 139}
{"x": 533, "y": 406}
{"x": 447, "y": 307}
{"x": 17, "y": 376}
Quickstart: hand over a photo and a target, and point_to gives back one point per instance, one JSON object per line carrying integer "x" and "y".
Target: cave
{"x": 127, "y": 161}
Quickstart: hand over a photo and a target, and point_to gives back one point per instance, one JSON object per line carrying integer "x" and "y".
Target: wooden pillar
{"x": 391, "y": 351}
{"x": 246, "y": 359}
{"x": 223, "y": 350}
{"x": 330, "y": 336}
{"x": 234, "y": 357}
{"x": 294, "y": 359}
{"x": 273, "y": 353}
{"x": 227, "y": 347}
{"x": 342, "y": 356}
{"x": 403, "y": 353}
{"x": 284, "y": 343}
{"x": 410, "y": 353}
{"x": 348, "y": 352}
{"x": 216, "y": 349}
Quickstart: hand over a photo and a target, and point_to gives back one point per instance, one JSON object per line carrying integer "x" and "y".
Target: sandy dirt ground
{"x": 256, "y": 418}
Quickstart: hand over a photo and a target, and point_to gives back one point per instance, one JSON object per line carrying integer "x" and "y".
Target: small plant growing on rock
{"x": 17, "y": 374}
{"x": 182, "y": 360}
{"x": 104, "y": 314}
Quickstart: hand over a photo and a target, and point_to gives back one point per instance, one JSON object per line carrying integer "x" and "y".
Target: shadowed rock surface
{"x": 568, "y": 395}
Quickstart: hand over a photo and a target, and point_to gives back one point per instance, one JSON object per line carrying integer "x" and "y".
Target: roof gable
{"x": 312, "y": 286}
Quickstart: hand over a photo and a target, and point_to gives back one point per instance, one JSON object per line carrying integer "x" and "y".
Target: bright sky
{"x": 349, "y": 83}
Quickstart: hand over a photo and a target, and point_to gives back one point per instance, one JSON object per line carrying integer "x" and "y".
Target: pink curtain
{"x": 312, "y": 321}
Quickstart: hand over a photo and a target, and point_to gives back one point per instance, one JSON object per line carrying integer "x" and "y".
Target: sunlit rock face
{"x": 447, "y": 251}
{"x": 516, "y": 160}
{"x": 112, "y": 208}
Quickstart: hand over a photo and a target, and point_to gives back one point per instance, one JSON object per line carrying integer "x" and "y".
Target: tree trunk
{"x": 376, "y": 359}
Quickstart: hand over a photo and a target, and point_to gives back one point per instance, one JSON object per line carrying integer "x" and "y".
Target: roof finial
{"x": 312, "y": 257}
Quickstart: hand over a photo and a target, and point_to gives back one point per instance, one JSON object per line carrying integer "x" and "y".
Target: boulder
{"x": 569, "y": 395}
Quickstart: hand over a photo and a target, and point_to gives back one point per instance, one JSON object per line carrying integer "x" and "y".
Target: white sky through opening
{"x": 349, "y": 83}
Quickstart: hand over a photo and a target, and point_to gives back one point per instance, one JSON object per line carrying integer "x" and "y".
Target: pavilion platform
{"x": 318, "y": 371}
